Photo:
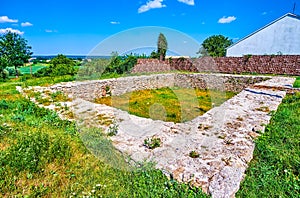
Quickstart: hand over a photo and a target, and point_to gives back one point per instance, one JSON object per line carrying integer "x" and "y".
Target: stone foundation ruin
{"x": 222, "y": 138}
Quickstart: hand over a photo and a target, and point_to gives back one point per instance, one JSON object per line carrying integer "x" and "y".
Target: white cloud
{"x": 4, "y": 31}
{"x": 227, "y": 19}
{"x": 115, "y": 22}
{"x": 5, "y": 19}
{"x": 188, "y": 2}
{"x": 26, "y": 24}
{"x": 151, "y": 5}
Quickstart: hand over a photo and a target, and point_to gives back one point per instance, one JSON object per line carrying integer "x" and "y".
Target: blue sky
{"x": 78, "y": 26}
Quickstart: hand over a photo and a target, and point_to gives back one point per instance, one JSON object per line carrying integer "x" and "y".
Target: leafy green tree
{"x": 14, "y": 51}
{"x": 121, "y": 64}
{"x": 59, "y": 66}
{"x": 162, "y": 46}
{"x": 215, "y": 45}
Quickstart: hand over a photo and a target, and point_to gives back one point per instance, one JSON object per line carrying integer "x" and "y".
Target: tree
{"x": 59, "y": 66}
{"x": 14, "y": 51}
{"x": 162, "y": 46}
{"x": 121, "y": 64}
{"x": 216, "y": 45}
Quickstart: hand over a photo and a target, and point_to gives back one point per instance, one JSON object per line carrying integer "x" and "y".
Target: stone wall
{"x": 90, "y": 90}
{"x": 283, "y": 64}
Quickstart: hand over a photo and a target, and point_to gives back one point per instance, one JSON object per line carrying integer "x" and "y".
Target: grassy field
{"x": 26, "y": 69}
{"x": 168, "y": 104}
{"x": 44, "y": 156}
{"x": 35, "y": 68}
{"x": 275, "y": 169}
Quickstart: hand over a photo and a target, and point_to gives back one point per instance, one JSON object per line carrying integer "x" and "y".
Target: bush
{"x": 152, "y": 143}
{"x": 121, "y": 64}
{"x": 4, "y": 74}
{"x": 59, "y": 66}
{"x": 12, "y": 71}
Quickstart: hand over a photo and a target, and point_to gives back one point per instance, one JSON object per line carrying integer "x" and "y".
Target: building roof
{"x": 286, "y": 15}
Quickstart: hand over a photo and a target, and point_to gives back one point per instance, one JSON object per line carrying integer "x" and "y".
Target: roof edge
{"x": 272, "y": 22}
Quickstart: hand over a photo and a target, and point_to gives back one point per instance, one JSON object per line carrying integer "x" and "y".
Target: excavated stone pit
{"x": 223, "y": 137}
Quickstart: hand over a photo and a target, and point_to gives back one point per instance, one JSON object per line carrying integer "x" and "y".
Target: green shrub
{"x": 12, "y": 71}
{"x": 3, "y": 104}
{"x": 152, "y": 143}
{"x": 59, "y": 66}
{"x": 4, "y": 74}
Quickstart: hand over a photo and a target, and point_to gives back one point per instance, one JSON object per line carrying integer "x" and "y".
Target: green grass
{"x": 168, "y": 104}
{"x": 297, "y": 82}
{"x": 44, "y": 156}
{"x": 275, "y": 168}
{"x": 35, "y": 68}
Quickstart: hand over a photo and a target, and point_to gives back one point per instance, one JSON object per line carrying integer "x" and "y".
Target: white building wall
{"x": 283, "y": 37}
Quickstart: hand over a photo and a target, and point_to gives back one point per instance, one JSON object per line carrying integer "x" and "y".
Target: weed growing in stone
{"x": 113, "y": 129}
{"x": 152, "y": 143}
{"x": 194, "y": 154}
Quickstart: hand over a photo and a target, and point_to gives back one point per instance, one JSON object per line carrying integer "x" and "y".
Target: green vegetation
{"x": 274, "y": 170}
{"x": 59, "y": 66}
{"x": 116, "y": 66}
{"x": 152, "y": 143}
{"x": 162, "y": 46}
{"x": 44, "y": 156}
{"x": 194, "y": 154}
{"x": 297, "y": 82}
{"x": 215, "y": 46}
{"x": 121, "y": 64}
{"x": 176, "y": 104}
{"x": 14, "y": 52}
{"x": 34, "y": 68}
